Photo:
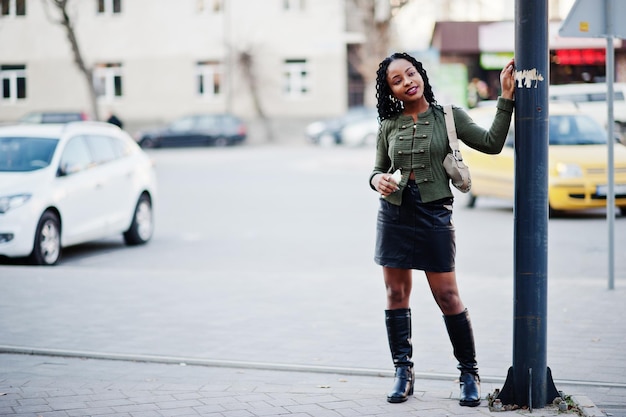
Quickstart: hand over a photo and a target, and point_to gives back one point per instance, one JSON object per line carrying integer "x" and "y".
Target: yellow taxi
{"x": 577, "y": 158}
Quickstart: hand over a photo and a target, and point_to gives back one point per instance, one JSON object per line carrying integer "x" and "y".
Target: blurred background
{"x": 276, "y": 64}
{"x": 243, "y": 229}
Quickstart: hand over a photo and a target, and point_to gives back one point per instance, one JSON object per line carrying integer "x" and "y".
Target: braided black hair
{"x": 388, "y": 106}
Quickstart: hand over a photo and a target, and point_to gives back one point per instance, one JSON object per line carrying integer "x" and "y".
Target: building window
{"x": 296, "y": 78}
{"x": 209, "y": 79}
{"x": 107, "y": 79}
{"x": 109, "y": 6}
{"x": 293, "y": 5}
{"x": 13, "y": 78}
{"x": 209, "y": 6}
{"x": 13, "y": 7}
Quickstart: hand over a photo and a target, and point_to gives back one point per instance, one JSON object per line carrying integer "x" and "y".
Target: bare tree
{"x": 68, "y": 24}
{"x": 375, "y": 23}
{"x": 246, "y": 61}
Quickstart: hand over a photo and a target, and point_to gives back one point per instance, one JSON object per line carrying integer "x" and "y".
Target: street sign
{"x": 587, "y": 19}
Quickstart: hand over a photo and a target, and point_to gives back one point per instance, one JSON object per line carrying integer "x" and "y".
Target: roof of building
{"x": 456, "y": 37}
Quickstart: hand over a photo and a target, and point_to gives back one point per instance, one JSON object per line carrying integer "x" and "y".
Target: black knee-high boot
{"x": 399, "y": 334}
{"x": 462, "y": 337}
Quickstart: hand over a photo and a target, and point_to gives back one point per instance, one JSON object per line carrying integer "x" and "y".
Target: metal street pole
{"x": 529, "y": 382}
{"x": 610, "y": 199}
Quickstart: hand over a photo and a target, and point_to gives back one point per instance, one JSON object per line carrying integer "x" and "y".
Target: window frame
{"x": 294, "y": 5}
{"x": 108, "y": 81}
{"x": 108, "y": 7}
{"x": 68, "y": 163}
{"x": 296, "y": 78}
{"x": 12, "y": 8}
{"x": 210, "y": 79}
{"x": 210, "y": 6}
{"x": 12, "y": 75}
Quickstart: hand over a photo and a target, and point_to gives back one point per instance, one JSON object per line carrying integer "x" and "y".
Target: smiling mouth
{"x": 411, "y": 91}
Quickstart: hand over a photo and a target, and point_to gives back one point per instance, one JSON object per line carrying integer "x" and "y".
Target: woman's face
{"x": 405, "y": 81}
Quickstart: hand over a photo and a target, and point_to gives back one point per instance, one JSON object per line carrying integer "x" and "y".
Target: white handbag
{"x": 453, "y": 163}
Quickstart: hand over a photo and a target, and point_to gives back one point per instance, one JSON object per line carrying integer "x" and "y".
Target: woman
{"x": 414, "y": 226}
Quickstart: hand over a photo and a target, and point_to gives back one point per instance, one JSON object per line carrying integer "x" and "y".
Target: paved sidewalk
{"x": 47, "y": 386}
{"x": 239, "y": 283}
{"x": 586, "y": 354}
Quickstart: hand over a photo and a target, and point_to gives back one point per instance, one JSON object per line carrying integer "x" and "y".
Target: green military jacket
{"x": 422, "y": 146}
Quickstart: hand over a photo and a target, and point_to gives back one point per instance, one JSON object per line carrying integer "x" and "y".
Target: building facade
{"x": 485, "y": 47}
{"x": 154, "y": 60}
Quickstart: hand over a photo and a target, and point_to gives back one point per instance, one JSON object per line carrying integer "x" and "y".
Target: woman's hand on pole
{"x": 507, "y": 80}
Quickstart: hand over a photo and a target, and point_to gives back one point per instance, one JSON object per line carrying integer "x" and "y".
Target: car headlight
{"x": 12, "y": 201}
{"x": 569, "y": 170}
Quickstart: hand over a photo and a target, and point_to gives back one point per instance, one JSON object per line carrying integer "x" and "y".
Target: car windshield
{"x": 568, "y": 129}
{"x": 18, "y": 154}
{"x": 575, "y": 130}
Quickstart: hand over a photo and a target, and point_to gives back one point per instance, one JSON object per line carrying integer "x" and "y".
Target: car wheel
{"x": 142, "y": 226}
{"x": 148, "y": 143}
{"x": 47, "y": 244}
{"x": 553, "y": 213}
{"x": 220, "y": 142}
{"x": 327, "y": 140}
{"x": 471, "y": 200}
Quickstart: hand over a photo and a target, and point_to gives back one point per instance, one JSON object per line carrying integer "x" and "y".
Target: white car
{"x": 361, "y": 132}
{"x": 62, "y": 185}
{"x": 591, "y": 98}
{"x": 329, "y": 132}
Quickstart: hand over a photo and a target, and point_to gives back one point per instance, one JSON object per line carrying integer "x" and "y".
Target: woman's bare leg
{"x": 398, "y": 283}
{"x": 444, "y": 288}
{"x": 445, "y": 291}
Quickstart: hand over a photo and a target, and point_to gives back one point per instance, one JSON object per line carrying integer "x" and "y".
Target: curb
{"x": 587, "y": 407}
{"x": 269, "y": 366}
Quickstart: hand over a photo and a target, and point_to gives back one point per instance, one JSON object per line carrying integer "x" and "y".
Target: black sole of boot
{"x": 469, "y": 403}
{"x": 395, "y": 400}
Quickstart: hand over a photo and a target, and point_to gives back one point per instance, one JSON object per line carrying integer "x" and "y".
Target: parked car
{"x": 54, "y": 117}
{"x": 577, "y": 162}
{"x": 66, "y": 184}
{"x": 362, "y": 132}
{"x": 591, "y": 98}
{"x": 198, "y": 129}
{"x": 328, "y": 131}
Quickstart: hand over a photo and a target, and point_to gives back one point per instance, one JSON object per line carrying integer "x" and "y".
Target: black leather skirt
{"x": 416, "y": 235}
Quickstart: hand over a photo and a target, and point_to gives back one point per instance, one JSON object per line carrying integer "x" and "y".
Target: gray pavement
{"x": 157, "y": 319}
{"x": 36, "y": 386}
{"x": 206, "y": 321}
{"x": 166, "y": 366}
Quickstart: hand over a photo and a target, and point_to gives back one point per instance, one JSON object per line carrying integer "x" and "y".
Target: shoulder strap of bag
{"x": 454, "y": 141}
